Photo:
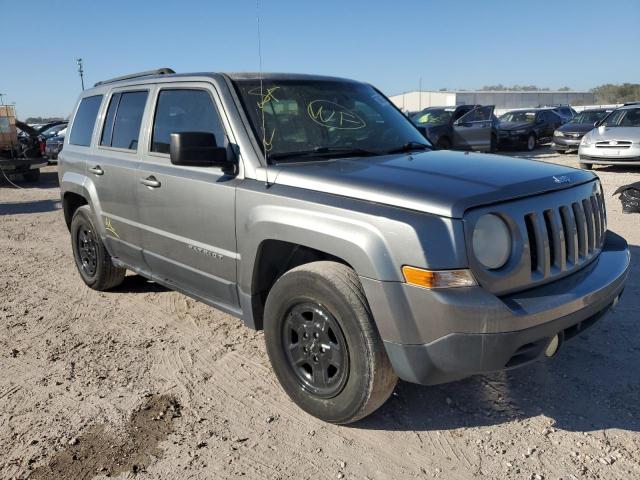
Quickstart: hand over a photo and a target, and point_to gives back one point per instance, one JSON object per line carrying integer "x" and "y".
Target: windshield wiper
{"x": 409, "y": 146}
{"x": 324, "y": 151}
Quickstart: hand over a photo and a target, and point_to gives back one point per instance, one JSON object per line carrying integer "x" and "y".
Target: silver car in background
{"x": 615, "y": 141}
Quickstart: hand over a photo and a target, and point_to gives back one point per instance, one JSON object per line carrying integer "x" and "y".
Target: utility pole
{"x": 80, "y": 71}
{"x": 420, "y": 90}
{"x": 2, "y": 101}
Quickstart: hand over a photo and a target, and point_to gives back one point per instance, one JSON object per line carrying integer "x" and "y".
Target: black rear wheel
{"x": 92, "y": 258}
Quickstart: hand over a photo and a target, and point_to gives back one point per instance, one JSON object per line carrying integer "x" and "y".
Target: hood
{"x": 576, "y": 127}
{"x": 440, "y": 182}
{"x": 513, "y": 125}
{"x": 631, "y": 134}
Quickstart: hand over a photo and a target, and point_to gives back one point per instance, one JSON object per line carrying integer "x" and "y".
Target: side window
{"x": 124, "y": 116}
{"x": 107, "y": 130}
{"x": 183, "y": 110}
{"x": 480, "y": 114}
{"x": 84, "y": 121}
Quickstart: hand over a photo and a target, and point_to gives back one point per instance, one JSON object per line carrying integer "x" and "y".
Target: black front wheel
{"x": 531, "y": 142}
{"x": 92, "y": 259}
{"x": 323, "y": 344}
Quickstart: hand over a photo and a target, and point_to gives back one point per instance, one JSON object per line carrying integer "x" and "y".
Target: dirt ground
{"x": 147, "y": 383}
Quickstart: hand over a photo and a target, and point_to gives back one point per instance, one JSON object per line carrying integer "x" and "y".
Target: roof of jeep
{"x": 267, "y": 76}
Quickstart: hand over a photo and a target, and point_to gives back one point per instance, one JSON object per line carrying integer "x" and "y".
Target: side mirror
{"x": 596, "y": 123}
{"x": 198, "y": 149}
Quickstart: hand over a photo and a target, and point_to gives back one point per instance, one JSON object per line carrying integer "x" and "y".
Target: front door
{"x": 188, "y": 213}
{"x": 473, "y": 130}
{"x": 113, "y": 168}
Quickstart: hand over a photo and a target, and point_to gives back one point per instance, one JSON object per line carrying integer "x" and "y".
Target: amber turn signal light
{"x": 438, "y": 278}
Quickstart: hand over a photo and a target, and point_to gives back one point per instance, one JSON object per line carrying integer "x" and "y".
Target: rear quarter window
{"x": 84, "y": 121}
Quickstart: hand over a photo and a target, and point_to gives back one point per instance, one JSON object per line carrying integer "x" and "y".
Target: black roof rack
{"x": 159, "y": 71}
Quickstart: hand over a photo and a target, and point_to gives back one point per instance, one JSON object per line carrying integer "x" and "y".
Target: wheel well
{"x": 275, "y": 258}
{"x": 70, "y": 203}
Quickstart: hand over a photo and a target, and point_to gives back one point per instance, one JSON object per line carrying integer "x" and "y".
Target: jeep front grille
{"x": 564, "y": 237}
{"x": 554, "y": 235}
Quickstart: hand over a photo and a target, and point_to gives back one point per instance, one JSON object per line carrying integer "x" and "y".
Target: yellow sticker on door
{"x": 109, "y": 227}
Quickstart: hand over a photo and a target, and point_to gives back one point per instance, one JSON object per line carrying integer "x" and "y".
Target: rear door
{"x": 473, "y": 130}
{"x": 188, "y": 213}
{"x": 113, "y": 169}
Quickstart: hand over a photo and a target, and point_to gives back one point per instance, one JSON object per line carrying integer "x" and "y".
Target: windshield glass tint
{"x": 307, "y": 115}
{"x": 434, "y": 116}
{"x": 589, "y": 117}
{"x": 624, "y": 118}
{"x": 528, "y": 117}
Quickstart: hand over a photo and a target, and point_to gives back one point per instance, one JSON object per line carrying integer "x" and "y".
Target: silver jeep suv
{"x": 310, "y": 207}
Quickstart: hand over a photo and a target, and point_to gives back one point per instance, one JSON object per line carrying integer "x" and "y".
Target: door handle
{"x": 150, "y": 182}
{"x": 97, "y": 170}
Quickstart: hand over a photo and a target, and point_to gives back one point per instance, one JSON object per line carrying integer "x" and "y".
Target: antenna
{"x": 264, "y": 130}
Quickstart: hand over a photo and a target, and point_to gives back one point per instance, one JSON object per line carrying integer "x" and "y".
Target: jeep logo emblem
{"x": 561, "y": 179}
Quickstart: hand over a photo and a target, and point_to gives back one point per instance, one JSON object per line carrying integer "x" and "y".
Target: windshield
{"x": 309, "y": 116}
{"x": 54, "y": 130}
{"x": 434, "y": 116}
{"x": 520, "y": 116}
{"x": 624, "y": 118}
{"x": 587, "y": 116}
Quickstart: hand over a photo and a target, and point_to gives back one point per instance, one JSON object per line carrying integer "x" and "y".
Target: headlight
{"x": 491, "y": 241}
{"x": 558, "y": 133}
{"x": 586, "y": 140}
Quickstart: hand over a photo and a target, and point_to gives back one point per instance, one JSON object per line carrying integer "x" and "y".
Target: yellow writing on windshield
{"x": 332, "y": 115}
{"x": 266, "y": 96}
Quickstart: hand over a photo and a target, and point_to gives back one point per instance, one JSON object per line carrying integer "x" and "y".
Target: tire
{"x": 326, "y": 298}
{"x": 586, "y": 166}
{"x": 444, "y": 144}
{"x": 531, "y": 142}
{"x": 92, "y": 259}
{"x": 32, "y": 176}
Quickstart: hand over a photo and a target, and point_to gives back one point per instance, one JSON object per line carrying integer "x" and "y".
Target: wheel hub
{"x": 87, "y": 250}
{"x": 316, "y": 349}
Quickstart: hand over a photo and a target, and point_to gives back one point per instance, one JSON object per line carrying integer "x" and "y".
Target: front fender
{"x": 358, "y": 243}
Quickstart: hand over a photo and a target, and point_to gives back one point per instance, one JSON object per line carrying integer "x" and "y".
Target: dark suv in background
{"x": 526, "y": 128}
{"x": 566, "y": 112}
{"x": 461, "y": 127}
{"x": 569, "y": 135}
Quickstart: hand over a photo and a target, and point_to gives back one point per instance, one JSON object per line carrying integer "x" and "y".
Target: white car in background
{"x": 614, "y": 141}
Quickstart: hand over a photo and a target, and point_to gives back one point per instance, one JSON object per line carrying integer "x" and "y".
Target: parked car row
{"x": 475, "y": 127}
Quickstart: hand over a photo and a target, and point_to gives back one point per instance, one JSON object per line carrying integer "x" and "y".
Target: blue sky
{"x": 450, "y": 44}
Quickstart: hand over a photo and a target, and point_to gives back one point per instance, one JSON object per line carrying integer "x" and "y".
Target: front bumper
{"x": 610, "y": 156}
{"x": 565, "y": 143}
{"x": 507, "y": 139}
{"x": 442, "y": 336}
